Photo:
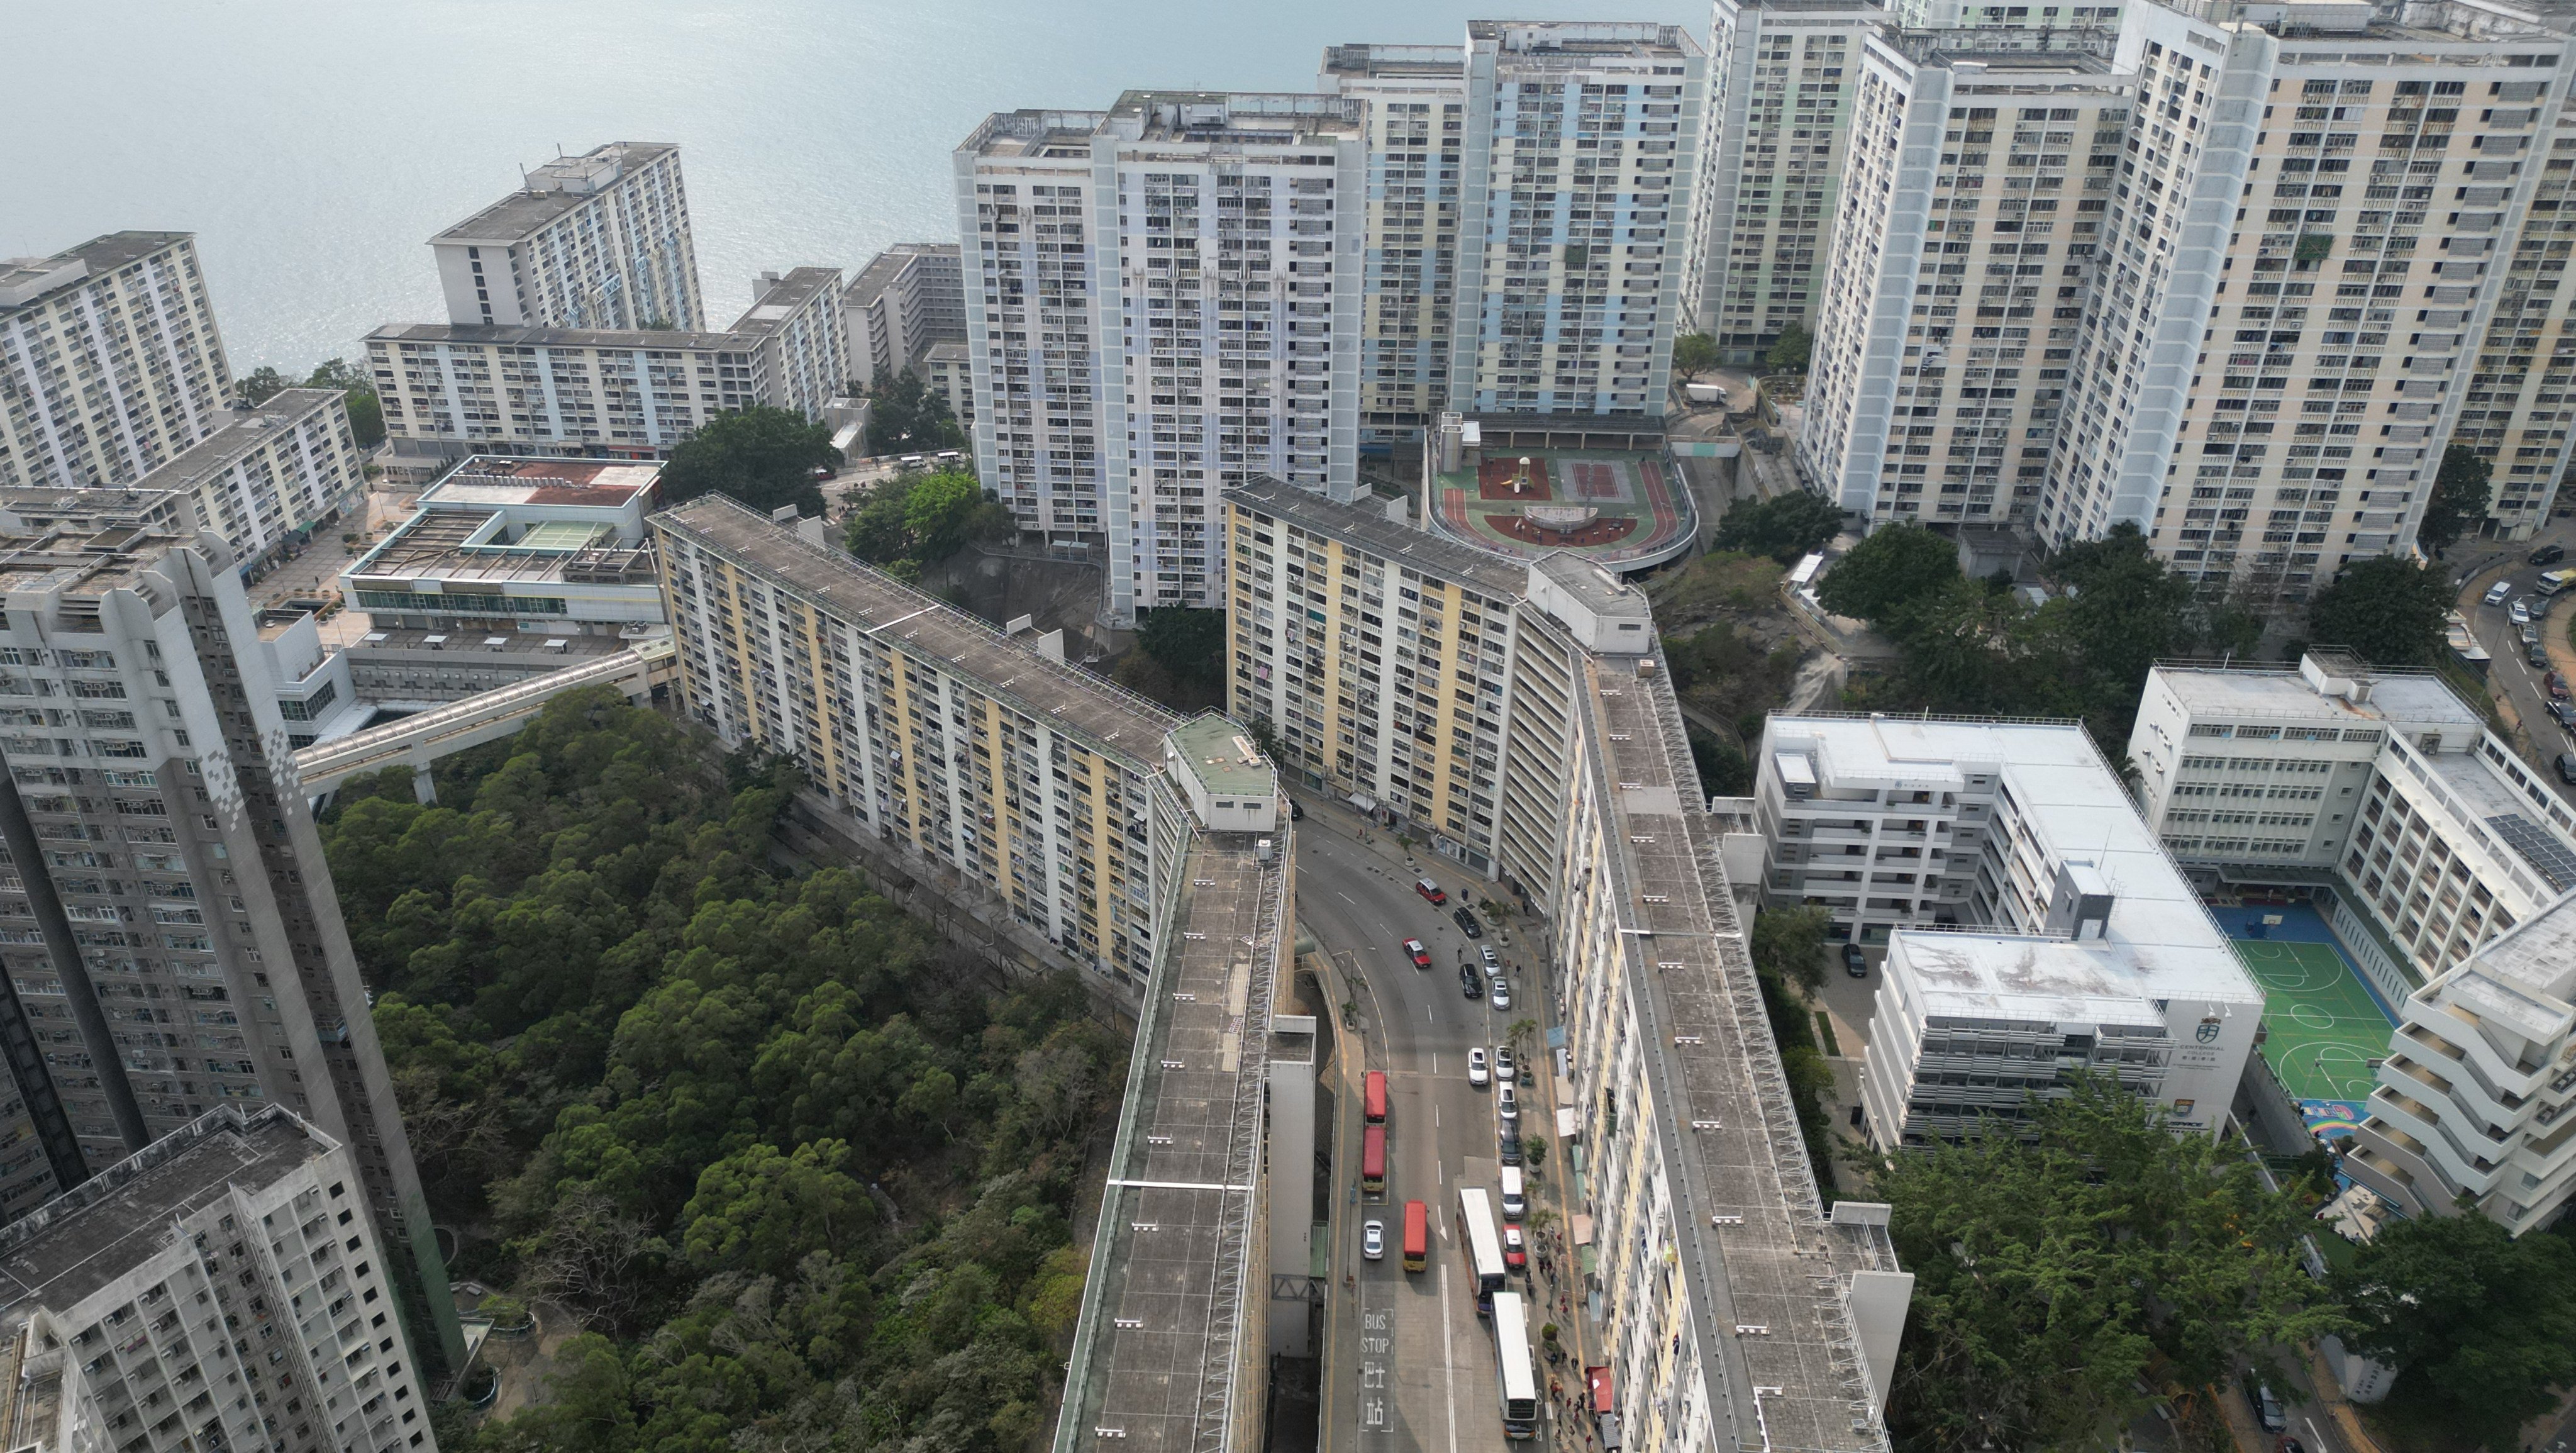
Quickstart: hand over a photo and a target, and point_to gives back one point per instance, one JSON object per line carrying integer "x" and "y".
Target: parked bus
{"x": 1417, "y": 1235}
{"x": 1512, "y": 1367}
{"x": 1481, "y": 1246}
{"x": 1373, "y": 1160}
{"x": 1373, "y": 1097}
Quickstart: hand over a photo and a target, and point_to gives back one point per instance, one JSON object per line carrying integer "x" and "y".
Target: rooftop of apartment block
{"x": 84, "y": 563}
{"x": 1058, "y": 135}
{"x": 2026, "y": 56}
{"x": 27, "y": 509}
{"x": 2160, "y": 937}
{"x": 1232, "y": 116}
{"x": 28, "y": 280}
{"x": 511, "y": 335}
{"x": 83, "y": 1240}
{"x": 782, "y": 296}
{"x": 503, "y": 479}
{"x": 2451, "y": 22}
{"x": 246, "y": 431}
{"x": 2525, "y": 977}
{"x": 1512, "y": 495}
{"x": 886, "y": 266}
{"x": 465, "y": 550}
{"x": 1370, "y": 530}
{"x": 552, "y": 189}
{"x": 2323, "y": 687}
{"x": 923, "y": 626}
{"x": 1395, "y": 61}
{"x": 1223, "y": 757}
{"x": 1583, "y": 37}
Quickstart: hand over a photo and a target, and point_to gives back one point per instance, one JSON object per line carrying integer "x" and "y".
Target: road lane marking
{"x": 1346, "y": 898}
{"x": 1448, "y": 1359}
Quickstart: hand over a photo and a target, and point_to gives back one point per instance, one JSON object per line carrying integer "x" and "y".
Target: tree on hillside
{"x": 908, "y": 416}
{"x": 1790, "y": 351}
{"x": 762, "y": 456}
{"x": 1896, "y": 564}
{"x": 1693, "y": 355}
{"x": 1186, "y": 642}
{"x": 2061, "y": 1256}
{"x": 1784, "y": 527}
{"x": 2389, "y": 609}
{"x": 358, "y": 395}
{"x": 940, "y": 512}
{"x": 2459, "y": 498}
{"x": 258, "y": 386}
{"x": 2480, "y": 1325}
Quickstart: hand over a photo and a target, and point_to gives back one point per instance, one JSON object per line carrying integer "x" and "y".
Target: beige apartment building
{"x": 271, "y": 476}
{"x": 110, "y": 363}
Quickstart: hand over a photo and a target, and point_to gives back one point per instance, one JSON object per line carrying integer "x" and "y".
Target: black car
{"x": 2548, "y": 554}
{"x": 1854, "y": 962}
{"x": 2567, "y": 768}
{"x": 1471, "y": 983}
{"x": 1296, "y": 811}
{"x": 1467, "y": 924}
{"x": 1510, "y": 1145}
{"x": 2565, "y": 712}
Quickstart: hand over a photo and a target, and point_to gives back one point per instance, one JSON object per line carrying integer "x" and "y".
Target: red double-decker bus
{"x": 1373, "y": 1097}
{"x": 1417, "y": 1235}
{"x": 1373, "y": 1160}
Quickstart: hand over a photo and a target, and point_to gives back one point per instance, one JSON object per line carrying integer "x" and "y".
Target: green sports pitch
{"x": 2323, "y": 1028}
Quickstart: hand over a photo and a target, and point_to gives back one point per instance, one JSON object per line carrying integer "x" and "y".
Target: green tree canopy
{"x": 908, "y": 416}
{"x": 913, "y": 519}
{"x": 762, "y": 1210}
{"x": 940, "y": 512}
{"x": 2480, "y": 1325}
{"x": 1895, "y": 565}
{"x": 1784, "y": 527}
{"x": 1693, "y": 355}
{"x": 2387, "y": 608}
{"x": 1790, "y": 943}
{"x": 259, "y": 386}
{"x": 2058, "y": 1256}
{"x": 358, "y": 394}
{"x": 1789, "y": 352}
{"x": 762, "y": 456}
{"x": 2459, "y": 498}
{"x": 1187, "y": 642}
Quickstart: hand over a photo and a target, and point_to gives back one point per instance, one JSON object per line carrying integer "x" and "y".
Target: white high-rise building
{"x": 2301, "y": 254}
{"x": 599, "y": 240}
{"x": 222, "y": 1288}
{"x": 1981, "y": 169}
{"x": 1417, "y": 101}
{"x": 1579, "y": 172}
{"x": 2518, "y": 407}
{"x": 1165, "y": 299}
{"x": 1780, "y": 85}
{"x": 110, "y": 364}
{"x": 908, "y": 298}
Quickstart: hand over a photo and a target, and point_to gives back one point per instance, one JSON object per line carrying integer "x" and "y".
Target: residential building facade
{"x": 595, "y": 241}
{"x": 2522, "y": 393}
{"x": 1951, "y": 307}
{"x": 223, "y": 1287}
{"x": 451, "y": 391}
{"x": 907, "y": 298}
{"x": 2433, "y": 835}
{"x": 1781, "y": 81}
{"x": 2304, "y": 252}
{"x": 270, "y": 476}
{"x": 2477, "y": 1076}
{"x": 171, "y": 935}
{"x": 110, "y": 363}
{"x": 1580, "y": 168}
{"x": 1164, "y": 301}
{"x": 2030, "y": 916}
{"x": 1416, "y": 130}
{"x": 1044, "y": 788}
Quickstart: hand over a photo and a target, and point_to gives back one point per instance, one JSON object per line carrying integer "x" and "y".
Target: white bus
{"x": 1512, "y": 1367}
{"x": 1481, "y": 1245}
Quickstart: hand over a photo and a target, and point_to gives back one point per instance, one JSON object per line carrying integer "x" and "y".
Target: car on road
{"x": 2565, "y": 712}
{"x": 1296, "y": 811}
{"x": 2521, "y": 611}
{"x": 2555, "y": 685}
{"x": 1855, "y": 963}
{"x": 1507, "y": 1102}
{"x": 1471, "y": 983}
{"x": 1493, "y": 960}
{"x": 1502, "y": 995}
{"x": 2500, "y": 592}
{"x": 2548, "y": 554}
{"x": 2531, "y": 635}
{"x": 1508, "y": 1143}
{"x": 1431, "y": 892}
{"x": 2267, "y": 1408}
{"x": 1476, "y": 1072}
{"x": 1414, "y": 950}
{"x": 1373, "y": 1240}
{"x": 2567, "y": 768}
{"x": 1467, "y": 923}
{"x": 2536, "y": 654}
{"x": 1503, "y": 1062}
{"x": 1515, "y": 1250}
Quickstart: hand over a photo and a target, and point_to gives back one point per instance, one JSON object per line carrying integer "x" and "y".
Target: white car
{"x": 2500, "y": 592}
{"x": 1503, "y": 1062}
{"x": 2522, "y": 611}
{"x": 1507, "y": 1102}
{"x": 1476, "y": 1074}
{"x": 1373, "y": 1240}
{"x": 1493, "y": 960}
{"x": 1501, "y": 995}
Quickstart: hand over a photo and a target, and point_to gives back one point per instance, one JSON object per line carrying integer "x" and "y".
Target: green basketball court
{"x": 2323, "y": 1028}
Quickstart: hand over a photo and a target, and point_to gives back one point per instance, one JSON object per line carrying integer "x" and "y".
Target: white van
{"x": 1513, "y": 1206}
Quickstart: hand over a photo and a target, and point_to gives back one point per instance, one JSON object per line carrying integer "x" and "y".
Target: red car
{"x": 1515, "y": 1254}
{"x": 2557, "y": 685}
{"x": 1414, "y": 950}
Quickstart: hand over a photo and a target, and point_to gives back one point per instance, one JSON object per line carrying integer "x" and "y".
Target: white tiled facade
{"x": 908, "y": 298}
{"x": 1165, "y": 299}
{"x": 599, "y": 240}
{"x": 1973, "y": 208}
{"x": 2521, "y": 397}
{"x": 1416, "y": 129}
{"x": 110, "y": 364}
{"x": 1581, "y": 164}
